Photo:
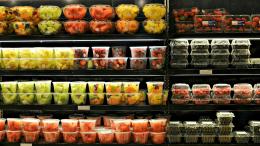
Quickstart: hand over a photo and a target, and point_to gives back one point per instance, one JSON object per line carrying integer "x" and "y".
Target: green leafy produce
{"x": 49, "y": 27}
{"x": 78, "y": 90}
{"x": 43, "y": 90}
{"x": 26, "y": 92}
{"x": 61, "y": 90}
{"x": 47, "y": 12}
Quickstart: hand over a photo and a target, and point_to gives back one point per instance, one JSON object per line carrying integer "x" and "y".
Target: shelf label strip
{"x": 84, "y": 108}
{"x": 206, "y": 72}
{"x": 25, "y": 144}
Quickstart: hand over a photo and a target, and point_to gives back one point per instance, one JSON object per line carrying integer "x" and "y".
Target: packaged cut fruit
{"x": 26, "y": 92}
{"x": 100, "y": 52}
{"x": 255, "y": 23}
{"x": 185, "y": 14}
{"x": 123, "y": 137}
{"x": 69, "y": 125}
{"x": 131, "y": 87}
{"x": 225, "y": 118}
{"x": 76, "y": 27}
{"x": 114, "y": 98}
{"x": 43, "y": 92}
{"x": 184, "y": 27}
{"x": 51, "y": 137}
{"x": 154, "y": 26}
{"x": 217, "y": 44}
{"x": 155, "y": 87}
{"x": 118, "y": 51}
{"x": 14, "y": 124}
{"x": 70, "y": 137}
{"x": 4, "y": 26}
{"x": 88, "y": 137}
{"x": 3, "y": 13}
{"x": 138, "y": 63}
{"x": 155, "y": 98}
{"x": 241, "y": 44}
{"x": 74, "y": 11}
{"x": 64, "y": 58}
{"x": 96, "y": 87}
{"x": 191, "y": 127}
{"x": 221, "y": 93}
{"x": 158, "y": 137}
{"x": 2, "y": 125}
{"x": 201, "y": 91}
{"x": 174, "y": 128}
{"x": 106, "y": 136}
{"x": 23, "y": 13}
{"x": 27, "y": 58}
{"x": 48, "y": 12}
{"x": 100, "y": 27}
{"x": 102, "y": 12}
{"x": 237, "y": 23}
{"x": 45, "y": 59}
{"x": 100, "y": 63}
{"x": 50, "y": 125}
{"x": 61, "y": 90}
{"x": 140, "y": 125}
{"x": 96, "y": 98}
{"x": 8, "y": 90}
{"x": 49, "y": 27}
{"x": 31, "y": 124}
{"x": 127, "y": 11}
{"x": 242, "y": 137}
{"x": 31, "y": 137}
{"x": 158, "y": 125}
{"x": 138, "y": 52}
{"x": 113, "y": 87}
{"x": 254, "y": 127}
{"x": 157, "y": 51}
{"x": 150, "y": 9}
{"x": 9, "y": 60}
{"x": 212, "y": 23}
{"x": 122, "y": 125}
{"x": 2, "y": 136}
{"x": 127, "y": 26}
{"x": 118, "y": 63}
{"x": 23, "y": 28}
{"x": 133, "y": 98}
{"x": 13, "y": 136}
{"x": 181, "y": 93}
{"x": 140, "y": 137}
{"x": 199, "y": 44}
{"x": 156, "y": 63}
{"x": 87, "y": 125}
{"x": 243, "y": 93}
{"x": 78, "y": 92}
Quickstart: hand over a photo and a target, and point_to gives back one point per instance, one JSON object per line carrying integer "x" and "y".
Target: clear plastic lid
{"x": 199, "y": 42}
{"x": 221, "y": 86}
{"x": 220, "y": 42}
{"x": 241, "y": 42}
{"x": 254, "y": 123}
{"x": 241, "y": 134}
{"x": 201, "y": 86}
{"x": 225, "y": 114}
{"x": 180, "y": 86}
{"x": 207, "y": 124}
{"x": 179, "y": 42}
{"x": 243, "y": 86}
{"x": 191, "y": 124}
{"x": 175, "y": 124}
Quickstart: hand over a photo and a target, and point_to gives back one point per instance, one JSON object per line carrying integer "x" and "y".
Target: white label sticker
{"x": 25, "y": 144}
{"x": 84, "y": 108}
{"x": 205, "y": 23}
{"x": 206, "y": 72}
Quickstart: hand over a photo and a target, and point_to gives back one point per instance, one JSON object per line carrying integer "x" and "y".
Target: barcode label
{"x": 25, "y": 144}
{"x": 84, "y": 108}
{"x": 206, "y": 72}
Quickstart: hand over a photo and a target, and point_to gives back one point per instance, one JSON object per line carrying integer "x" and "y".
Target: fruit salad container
{"x": 96, "y": 87}
{"x": 122, "y": 125}
{"x": 156, "y": 63}
{"x": 175, "y": 128}
{"x": 2, "y": 135}
{"x": 127, "y": 11}
{"x": 101, "y": 27}
{"x": 123, "y": 137}
{"x": 61, "y": 90}
{"x": 243, "y": 93}
{"x": 131, "y": 87}
{"x": 115, "y": 98}
{"x": 257, "y": 93}
{"x": 140, "y": 137}
{"x": 138, "y": 63}
{"x": 106, "y": 136}
{"x": 76, "y": 27}
{"x": 140, "y": 125}
{"x": 14, "y": 124}
{"x": 201, "y": 91}
{"x": 96, "y": 98}
{"x": 51, "y": 137}
{"x": 225, "y": 118}
{"x": 255, "y": 23}
{"x": 23, "y": 28}
{"x": 225, "y": 138}
{"x": 225, "y": 129}
{"x": 206, "y": 139}
{"x": 100, "y": 63}
{"x": 217, "y": 44}
{"x": 23, "y": 13}
{"x": 220, "y": 54}
{"x": 179, "y": 44}
{"x": 87, "y": 125}
{"x": 74, "y": 11}
{"x": 3, "y": 13}
{"x": 149, "y": 10}
{"x": 70, "y": 137}
{"x": 4, "y": 26}
{"x": 69, "y": 125}
{"x": 191, "y": 127}
{"x": 119, "y": 63}
{"x": 158, "y": 125}
{"x": 184, "y": 27}
{"x": 127, "y": 26}
{"x": 157, "y": 51}
{"x": 207, "y": 24}
{"x": 13, "y": 136}
{"x": 43, "y": 92}
{"x": 49, "y": 27}
{"x": 155, "y": 87}
{"x": 49, "y": 12}
{"x": 237, "y": 23}
{"x": 9, "y": 60}
{"x": 199, "y": 44}
{"x": 118, "y": 51}
{"x": 50, "y": 125}
{"x": 217, "y": 11}
{"x": 242, "y": 137}
{"x": 241, "y": 44}
{"x": 155, "y": 98}
{"x": 208, "y": 128}
{"x": 45, "y": 58}
{"x": 78, "y": 92}
{"x": 2, "y": 124}
{"x": 26, "y": 92}
{"x": 88, "y": 137}
{"x": 158, "y": 137}
{"x": 185, "y": 14}
{"x": 181, "y": 93}
{"x": 102, "y": 12}
{"x": 100, "y": 52}
{"x": 254, "y": 127}
{"x": 113, "y": 87}
{"x": 31, "y": 137}
{"x": 138, "y": 52}
{"x": 31, "y": 124}
{"x": 154, "y": 26}
{"x": 8, "y": 90}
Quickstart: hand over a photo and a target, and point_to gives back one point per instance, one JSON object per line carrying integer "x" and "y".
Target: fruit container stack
{"x": 237, "y": 24}
{"x": 114, "y": 93}
{"x": 200, "y": 53}
{"x": 181, "y": 93}
{"x": 157, "y": 57}
{"x": 70, "y": 130}
{"x": 243, "y": 93}
{"x": 220, "y": 53}
{"x": 242, "y": 137}
{"x": 158, "y": 130}
{"x": 75, "y": 14}
{"x": 132, "y": 94}
{"x": 8, "y": 91}
{"x": 118, "y": 61}
{"x": 50, "y": 130}
{"x": 191, "y": 132}
{"x": 78, "y": 92}
{"x": 139, "y": 59}
{"x": 154, "y": 23}
{"x": 96, "y": 93}
{"x": 184, "y": 19}
{"x": 208, "y": 131}
{"x": 43, "y": 94}
{"x": 254, "y": 127}
{"x": 201, "y": 94}
{"x": 221, "y": 93}
{"x": 225, "y": 126}
{"x": 156, "y": 94}
{"x": 100, "y": 57}
{"x": 256, "y": 96}
{"x": 241, "y": 53}
{"x": 174, "y": 131}
{"x": 179, "y": 53}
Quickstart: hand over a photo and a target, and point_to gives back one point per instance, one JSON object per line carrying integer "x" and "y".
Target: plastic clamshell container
{"x": 191, "y": 127}
{"x": 51, "y": 137}
{"x": 256, "y": 139}
{"x": 240, "y": 54}
{"x": 254, "y": 127}
{"x": 200, "y": 63}
{"x": 185, "y": 14}
{"x": 199, "y": 56}
{"x": 179, "y": 44}
{"x": 149, "y": 10}
{"x": 174, "y": 138}
{"x": 119, "y": 63}
{"x": 127, "y": 11}
{"x": 255, "y": 62}
{"x": 242, "y": 136}
{"x": 175, "y": 128}
{"x": 237, "y": 23}
{"x": 225, "y": 138}
{"x": 199, "y": 44}
{"x": 138, "y": 63}
{"x": 255, "y": 23}
{"x": 220, "y": 44}
{"x": 49, "y": 12}
{"x": 220, "y": 54}
{"x": 201, "y": 91}
{"x": 219, "y": 63}
{"x": 69, "y": 125}
{"x": 225, "y": 118}
{"x": 177, "y": 55}
{"x": 74, "y": 11}
{"x": 127, "y": 26}
{"x": 221, "y": 90}
{"x": 184, "y": 27}
{"x": 102, "y": 12}
{"x": 208, "y": 128}
{"x": 241, "y": 44}
{"x": 140, "y": 137}
{"x": 191, "y": 139}
{"x": 241, "y": 63}
{"x": 101, "y": 27}
{"x": 179, "y": 65}
{"x": 243, "y": 91}
{"x": 208, "y": 138}
{"x": 154, "y": 26}
{"x": 225, "y": 129}
{"x": 208, "y": 23}
{"x": 181, "y": 93}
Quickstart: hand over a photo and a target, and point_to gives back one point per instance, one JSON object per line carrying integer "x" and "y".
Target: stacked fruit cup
{"x": 119, "y": 59}
{"x": 155, "y": 93}
{"x": 14, "y": 130}
{"x": 100, "y": 57}
{"x": 122, "y": 130}
{"x": 70, "y": 130}
{"x": 87, "y": 131}
{"x": 114, "y": 94}
{"x": 158, "y": 130}
{"x": 157, "y": 57}
{"x": 96, "y": 93}
{"x": 179, "y": 53}
{"x": 139, "y": 59}
{"x": 50, "y": 129}
{"x": 2, "y": 129}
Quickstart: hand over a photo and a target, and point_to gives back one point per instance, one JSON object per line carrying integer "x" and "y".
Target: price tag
{"x": 25, "y": 144}
{"x": 206, "y": 72}
{"x": 84, "y": 108}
